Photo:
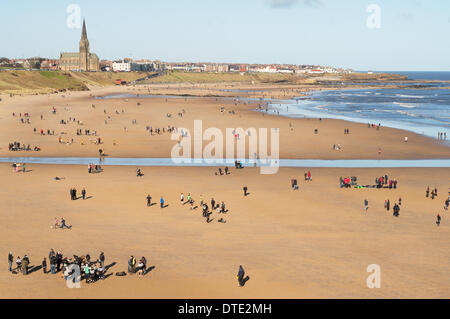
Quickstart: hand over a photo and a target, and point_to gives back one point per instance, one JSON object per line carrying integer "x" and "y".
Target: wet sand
{"x": 297, "y": 138}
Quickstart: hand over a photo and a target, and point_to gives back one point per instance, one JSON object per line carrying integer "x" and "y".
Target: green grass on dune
{"x": 32, "y": 82}
{"x": 207, "y": 77}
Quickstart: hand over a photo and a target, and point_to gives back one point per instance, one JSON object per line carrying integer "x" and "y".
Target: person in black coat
{"x": 10, "y": 261}
{"x": 242, "y": 279}
{"x": 396, "y": 210}
{"x": 101, "y": 258}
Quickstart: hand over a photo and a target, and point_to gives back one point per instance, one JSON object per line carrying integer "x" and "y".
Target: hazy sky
{"x": 413, "y": 34}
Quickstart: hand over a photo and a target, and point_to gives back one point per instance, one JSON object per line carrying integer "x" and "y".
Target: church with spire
{"x": 82, "y": 60}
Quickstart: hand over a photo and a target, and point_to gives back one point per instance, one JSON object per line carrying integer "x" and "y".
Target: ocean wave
{"x": 410, "y": 96}
{"x": 409, "y": 106}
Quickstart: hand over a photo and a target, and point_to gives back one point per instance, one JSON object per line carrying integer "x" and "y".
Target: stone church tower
{"x": 81, "y": 61}
{"x": 84, "y": 50}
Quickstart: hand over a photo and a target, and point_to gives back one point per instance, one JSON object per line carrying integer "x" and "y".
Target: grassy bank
{"x": 206, "y": 77}
{"x": 38, "y": 82}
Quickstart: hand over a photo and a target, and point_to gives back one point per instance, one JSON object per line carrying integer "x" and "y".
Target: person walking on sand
{"x": 83, "y": 193}
{"x": 245, "y": 190}
{"x": 182, "y": 198}
{"x": 10, "y": 261}
{"x": 149, "y": 200}
{"x": 242, "y": 279}
{"x": 162, "y": 202}
{"x": 63, "y": 224}
{"x": 438, "y": 220}
{"x": 366, "y": 205}
{"x": 101, "y": 258}
{"x": 396, "y": 210}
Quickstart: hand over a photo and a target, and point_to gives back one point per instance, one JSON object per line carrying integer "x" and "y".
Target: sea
{"x": 419, "y": 107}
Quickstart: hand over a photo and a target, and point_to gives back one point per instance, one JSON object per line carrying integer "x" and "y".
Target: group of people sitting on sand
{"x": 140, "y": 268}
{"x": 90, "y": 270}
{"x": 380, "y": 182}
{"x": 17, "y": 146}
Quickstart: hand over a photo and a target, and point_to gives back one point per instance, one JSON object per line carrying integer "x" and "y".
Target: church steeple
{"x": 84, "y": 50}
{"x": 84, "y": 33}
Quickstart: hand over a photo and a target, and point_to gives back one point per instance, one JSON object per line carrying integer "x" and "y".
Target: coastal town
{"x": 71, "y": 62}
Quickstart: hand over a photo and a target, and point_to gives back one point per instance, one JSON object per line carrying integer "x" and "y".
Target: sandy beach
{"x": 316, "y": 242}
{"x": 297, "y": 138}
{"x": 312, "y": 243}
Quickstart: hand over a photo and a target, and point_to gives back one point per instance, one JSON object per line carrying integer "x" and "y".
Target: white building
{"x": 121, "y": 67}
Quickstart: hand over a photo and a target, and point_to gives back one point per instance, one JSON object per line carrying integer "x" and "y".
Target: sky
{"x": 378, "y": 35}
